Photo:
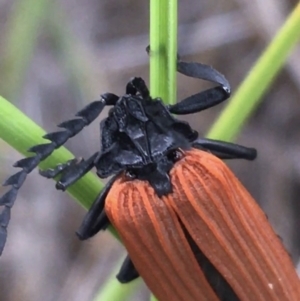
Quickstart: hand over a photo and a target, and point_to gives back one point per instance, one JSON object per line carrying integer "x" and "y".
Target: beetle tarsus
{"x": 75, "y": 171}
{"x": 205, "y": 72}
{"x": 51, "y": 173}
{"x": 200, "y": 101}
{"x": 128, "y": 271}
{"x": 205, "y": 99}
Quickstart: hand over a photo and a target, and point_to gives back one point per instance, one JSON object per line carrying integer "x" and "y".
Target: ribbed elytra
{"x": 218, "y": 283}
{"x": 211, "y": 211}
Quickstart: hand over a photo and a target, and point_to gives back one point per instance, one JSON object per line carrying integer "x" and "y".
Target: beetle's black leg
{"x": 96, "y": 219}
{"x": 225, "y": 150}
{"x": 199, "y": 102}
{"x": 204, "y": 99}
{"x": 205, "y": 72}
{"x": 42, "y": 151}
{"x": 200, "y": 71}
{"x": 75, "y": 172}
{"x": 128, "y": 271}
{"x": 135, "y": 85}
{"x": 71, "y": 171}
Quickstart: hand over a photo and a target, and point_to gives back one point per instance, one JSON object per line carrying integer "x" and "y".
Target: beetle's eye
{"x": 130, "y": 174}
{"x": 175, "y": 155}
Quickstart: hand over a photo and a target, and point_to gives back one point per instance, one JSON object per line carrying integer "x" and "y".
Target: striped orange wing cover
{"x": 223, "y": 220}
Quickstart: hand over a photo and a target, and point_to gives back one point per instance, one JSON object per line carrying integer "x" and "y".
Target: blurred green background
{"x": 57, "y": 56}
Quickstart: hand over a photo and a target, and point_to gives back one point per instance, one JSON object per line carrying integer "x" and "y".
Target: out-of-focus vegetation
{"x": 56, "y": 56}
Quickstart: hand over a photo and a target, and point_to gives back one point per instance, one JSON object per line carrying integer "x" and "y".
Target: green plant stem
{"x": 21, "y": 133}
{"x": 117, "y": 290}
{"x": 163, "y": 52}
{"x": 250, "y": 92}
{"x": 163, "y": 49}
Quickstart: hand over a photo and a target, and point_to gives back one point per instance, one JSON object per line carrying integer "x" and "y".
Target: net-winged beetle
{"x": 191, "y": 229}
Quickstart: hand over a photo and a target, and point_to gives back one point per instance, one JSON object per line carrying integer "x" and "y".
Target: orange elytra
{"x": 210, "y": 213}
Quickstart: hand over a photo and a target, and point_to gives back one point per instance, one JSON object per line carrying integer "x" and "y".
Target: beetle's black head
{"x": 141, "y": 137}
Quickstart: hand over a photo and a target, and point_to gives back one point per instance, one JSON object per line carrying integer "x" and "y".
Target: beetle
{"x": 192, "y": 231}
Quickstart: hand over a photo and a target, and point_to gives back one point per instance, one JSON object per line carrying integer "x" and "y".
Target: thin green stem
{"x": 250, "y": 92}
{"x": 163, "y": 52}
{"x": 116, "y": 290}
{"x": 163, "y": 49}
